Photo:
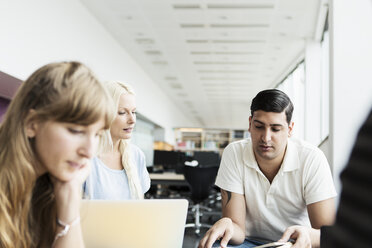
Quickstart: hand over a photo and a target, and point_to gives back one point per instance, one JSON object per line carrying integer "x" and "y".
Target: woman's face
{"x": 64, "y": 148}
{"x": 123, "y": 124}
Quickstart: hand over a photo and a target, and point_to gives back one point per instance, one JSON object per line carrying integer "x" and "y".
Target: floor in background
{"x": 191, "y": 240}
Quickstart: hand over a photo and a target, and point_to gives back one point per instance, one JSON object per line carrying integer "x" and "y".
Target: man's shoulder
{"x": 305, "y": 148}
{"x": 240, "y": 143}
{"x": 240, "y": 149}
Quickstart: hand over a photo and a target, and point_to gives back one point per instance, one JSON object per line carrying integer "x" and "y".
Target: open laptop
{"x": 134, "y": 223}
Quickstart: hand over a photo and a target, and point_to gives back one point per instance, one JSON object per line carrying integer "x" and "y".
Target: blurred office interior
{"x": 195, "y": 66}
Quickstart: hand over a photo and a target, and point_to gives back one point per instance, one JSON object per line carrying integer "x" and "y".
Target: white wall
{"x": 37, "y": 32}
{"x": 312, "y": 92}
{"x": 351, "y": 80}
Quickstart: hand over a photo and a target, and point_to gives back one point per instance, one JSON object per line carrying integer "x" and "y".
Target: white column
{"x": 350, "y": 75}
{"x": 312, "y": 92}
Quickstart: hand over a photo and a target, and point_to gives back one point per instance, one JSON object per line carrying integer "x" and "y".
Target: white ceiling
{"x": 211, "y": 57}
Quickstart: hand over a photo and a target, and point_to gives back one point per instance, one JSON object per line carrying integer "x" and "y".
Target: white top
{"x": 108, "y": 184}
{"x": 303, "y": 178}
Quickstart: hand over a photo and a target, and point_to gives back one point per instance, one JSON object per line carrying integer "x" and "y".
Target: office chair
{"x": 200, "y": 179}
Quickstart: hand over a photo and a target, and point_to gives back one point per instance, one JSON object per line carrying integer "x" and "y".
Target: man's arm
{"x": 232, "y": 225}
{"x": 233, "y": 207}
{"x": 322, "y": 213}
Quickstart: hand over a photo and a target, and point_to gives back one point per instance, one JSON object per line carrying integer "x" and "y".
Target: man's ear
{"x": 250, "y": 121}
{"x": 31, "y": 124}
{"x": 290, "y": 129}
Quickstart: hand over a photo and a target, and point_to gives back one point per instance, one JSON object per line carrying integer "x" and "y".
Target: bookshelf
{"x": 205, "y": 139}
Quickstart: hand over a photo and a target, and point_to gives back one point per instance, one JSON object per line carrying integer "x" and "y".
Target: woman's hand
{"x": 68, "y": 196}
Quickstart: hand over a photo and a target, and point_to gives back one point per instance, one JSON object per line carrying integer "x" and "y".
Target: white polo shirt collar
{"x": 291, "y": 160}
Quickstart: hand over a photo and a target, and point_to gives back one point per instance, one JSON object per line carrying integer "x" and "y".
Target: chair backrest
{"x": 201, "y": 180}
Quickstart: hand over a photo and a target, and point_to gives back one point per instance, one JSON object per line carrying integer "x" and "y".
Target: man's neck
{"x": 270, "y": 167}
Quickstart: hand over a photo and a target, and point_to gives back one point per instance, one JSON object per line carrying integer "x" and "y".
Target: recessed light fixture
{"x": 186, "y": 6}
{"x": 145, "y": 41}
{"x": 153, "y": 52}
{"x": 192, "y": 25}
{"x": 160, "y": 62}
{"x": 237, "y": 53}
{"x": 226, "y": 71}
{"x": 224, "y": 63}
{"x": 226, "y": 78}
{"x": 240, "y": 6}
{"x": 197, "y": 41}
{"x": 170, "y": 78}
{"x": 238, "y": 41}
{"x": 238, "y": 25}
{"x": 174, "y": 85}
{"x": 200, "y": 52}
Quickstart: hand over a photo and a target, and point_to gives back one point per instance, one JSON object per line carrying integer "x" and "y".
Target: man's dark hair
{"x": 273, "y": 100}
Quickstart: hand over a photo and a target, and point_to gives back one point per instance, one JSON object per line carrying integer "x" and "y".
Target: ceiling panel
{"x": 211, "y": 57}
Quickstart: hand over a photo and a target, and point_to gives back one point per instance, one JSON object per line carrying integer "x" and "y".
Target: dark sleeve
{"x": 353, "y": 226}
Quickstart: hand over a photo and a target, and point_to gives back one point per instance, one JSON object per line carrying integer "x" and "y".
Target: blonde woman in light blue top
{"x": 119, "y": 171}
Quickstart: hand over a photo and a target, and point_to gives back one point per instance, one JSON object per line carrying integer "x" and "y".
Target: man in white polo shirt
{"x": 270, "y": 182}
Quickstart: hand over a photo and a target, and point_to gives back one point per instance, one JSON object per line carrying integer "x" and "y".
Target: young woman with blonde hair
{"x": 47, "y": 138}
{"x": 119, "y": 172}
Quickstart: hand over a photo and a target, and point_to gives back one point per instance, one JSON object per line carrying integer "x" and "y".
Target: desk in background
{"x": 168, "y": 178}
{"x": 167, "y": 185}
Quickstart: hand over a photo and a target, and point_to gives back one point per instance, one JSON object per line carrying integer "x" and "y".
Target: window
{"x": 324, "y": 128}
{"x": 294, "y": 86}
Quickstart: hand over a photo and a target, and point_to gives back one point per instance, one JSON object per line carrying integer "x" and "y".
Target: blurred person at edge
{"x": 47, "y": 138}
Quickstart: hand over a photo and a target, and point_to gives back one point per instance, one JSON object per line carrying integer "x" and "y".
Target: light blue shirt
{"x": 108, "y": 184}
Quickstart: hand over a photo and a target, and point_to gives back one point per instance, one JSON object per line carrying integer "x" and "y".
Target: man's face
{"x": 269, "y": 132}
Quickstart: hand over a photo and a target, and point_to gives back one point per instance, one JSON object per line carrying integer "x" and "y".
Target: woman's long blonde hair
{"x": 116, "y": 89}
{"x": 62, "y": 92}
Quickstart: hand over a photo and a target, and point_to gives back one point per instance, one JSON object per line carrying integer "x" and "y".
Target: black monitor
{"x": 207, "y": 158}
{"x": 168, "y": 159}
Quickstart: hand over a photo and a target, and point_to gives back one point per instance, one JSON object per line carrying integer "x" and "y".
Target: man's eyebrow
{"x": 260, "y": 122}
{"x": 271, "y": 125}
{"x": 276, "y": 125}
